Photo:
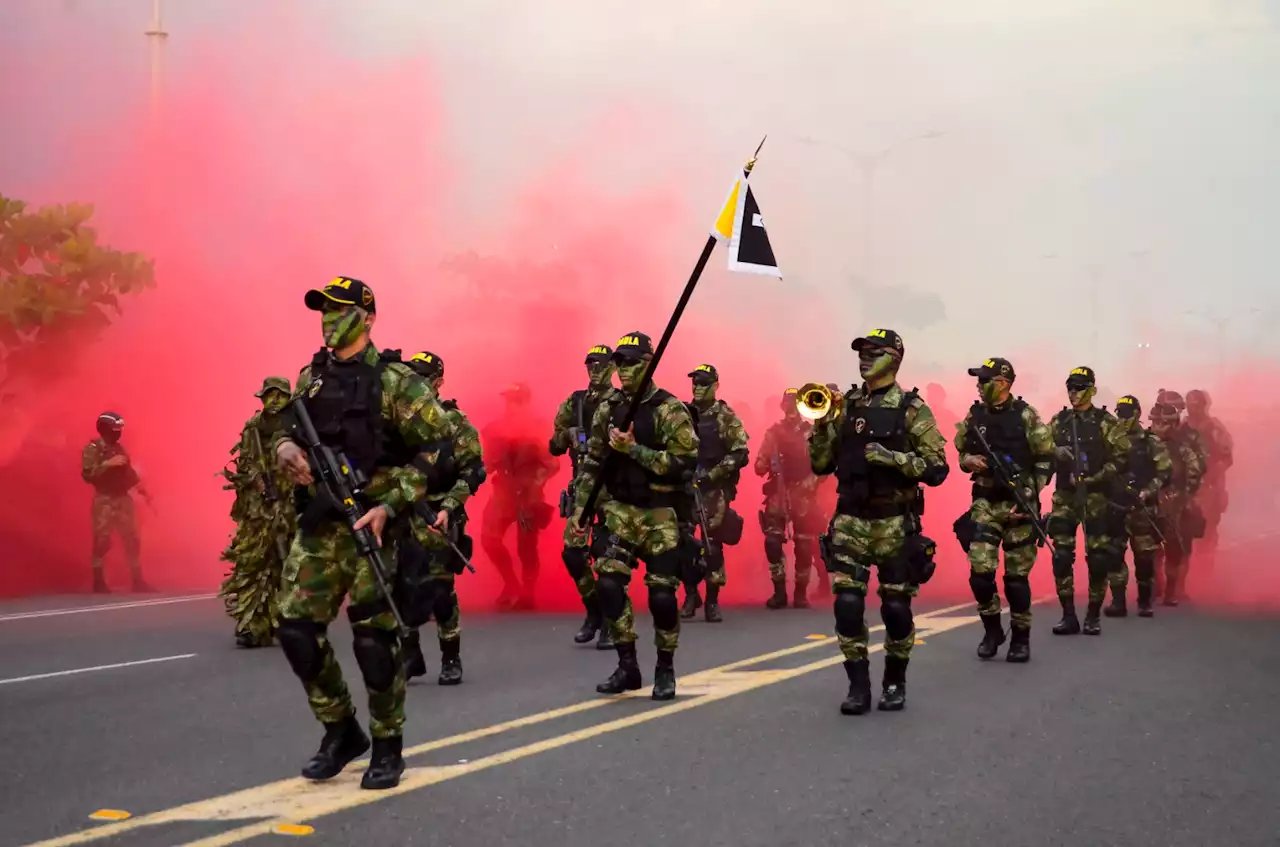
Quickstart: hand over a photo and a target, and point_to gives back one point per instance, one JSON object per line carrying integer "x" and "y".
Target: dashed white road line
{"x": 96, "y": 668}
{"x": 104, "y": 607}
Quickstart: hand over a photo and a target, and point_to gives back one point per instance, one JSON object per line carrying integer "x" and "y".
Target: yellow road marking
{"x": 110, "y": 815}
{"x": 817, "y": 637}
{"x": 292, "y": 801}
{"x": 293, "y": 829}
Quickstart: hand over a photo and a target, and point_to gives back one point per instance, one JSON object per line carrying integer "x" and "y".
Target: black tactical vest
{"x": 1142, "y": 462}
{"x": 859, "y": 481}
{"x": 1005, "y": 432}
{"x": 711, "y": 448}
{"x": 585, "y": 405}
{"x": 345, "y": 403}
{"x": 626, "y": 479}
{"x": 1093, "y": 450}
{"x": 444, "y": 473}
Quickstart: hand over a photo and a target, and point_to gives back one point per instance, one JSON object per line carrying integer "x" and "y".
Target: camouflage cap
{"x": 344, "y": 290}
{"x": 274, "y": 383}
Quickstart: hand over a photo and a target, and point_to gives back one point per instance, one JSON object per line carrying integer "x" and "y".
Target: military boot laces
{"x": 1070, "y": 624}
{"x": 992, "y": 638}
{"x": 450, "y": 662}
{"x": 893, "y": 697}
{"x": 626, "y": 677}
{"x": 802, "y": 596}
{"x": 859, "y": 700}
{"x": 1093, "y": 619}
{"x": 1019, "y": 644}
{"x": 692, "y": 602}
{"x": 1144, "y": 602}
{"x": 343, "y": 742}
{"x": 385, "y": 765}
{"x": 415, "y": 664}
{"x": 1117, "y": 609}
{"x": 712, "y": 610}
{"x": 664, "y": 676}
{"x": 590, "y": 626}
{"x": 779, "y": 598}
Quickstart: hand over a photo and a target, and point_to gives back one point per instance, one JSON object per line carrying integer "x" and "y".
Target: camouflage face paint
{"x": 629, "y": 375}
{"x": 342, "y": 327}
{"x": 600, "y": 374}
{"x": 274, "y": 402}
{"x": 876, "y": 364}
{"x": 993, "y": 391}
{"x": 1080, "y": 398}
{"x": 704, "y": 395}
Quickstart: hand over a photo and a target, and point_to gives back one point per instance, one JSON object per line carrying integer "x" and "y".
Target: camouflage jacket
{"x": 1187, "y": 461}
{"x": 468, "y": 459}
{"x": 928, "y": 453}
{"x": 409, "y": 406}
{"x": 733, "y": 437}
{"x": 107, "y": 481}
{"x": 1114, "y": 440}
{"x": 253, "y": 468}
{"x": 781, "y": 449}
{"x": 1039, "y": 440}
{"x": 565, "y": 428}
{"x": 1219, "y": 448}
{"x": 1140, "y": 438}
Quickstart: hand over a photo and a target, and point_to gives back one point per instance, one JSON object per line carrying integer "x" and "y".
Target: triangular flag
{"x": 740, "y": 226}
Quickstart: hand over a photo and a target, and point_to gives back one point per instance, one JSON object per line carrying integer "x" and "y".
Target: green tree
{"x": 59, "y": 288}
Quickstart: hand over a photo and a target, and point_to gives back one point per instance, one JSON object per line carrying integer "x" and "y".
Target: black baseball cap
{"x": 343, "y": 290}
{"x": 1127, "y": 407}
{"x": 633, "y": 345}
{"x": 599, "y": 353}
{"x": 705, "y": 374}
{"x": 993, "y": 368}
{"x": 1081, "y": 377}
{"x": 880, "y": 338}
{"x": 427, "y": 364}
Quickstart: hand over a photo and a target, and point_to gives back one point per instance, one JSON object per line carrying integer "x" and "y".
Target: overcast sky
{"x": 1108, "y": 158}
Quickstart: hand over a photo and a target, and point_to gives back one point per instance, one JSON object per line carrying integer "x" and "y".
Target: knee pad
{"x": 896, "y": 612}
{"x": 444, "y": 602}
{"x": 773, "y": 549}
{"x": 663, "y": 607}
{"x": 668, "y": 563}
{"x": 1144, "y": 565}
{"x": 613, "y": 595}
{"x": 618, "y": 550}
{"x": 1058, "y": 527}
{"x": 1063, "y": 561}
{"x": 985, "y": 533}
{"x": 850, "y": 609}
{"x": 1018, "y": 591}
{"x": 1100, "y": 561}
{"x": 576, "y": 560}
{"x": 983, "y": 585}
{"x": 375, "y": 654}
{"x": 300, "y": 642}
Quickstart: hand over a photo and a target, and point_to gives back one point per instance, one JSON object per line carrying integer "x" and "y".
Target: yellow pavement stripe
{"x": 298, "y": 795}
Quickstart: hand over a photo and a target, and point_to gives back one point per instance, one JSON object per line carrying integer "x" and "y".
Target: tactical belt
{"x": 873, "y": 510}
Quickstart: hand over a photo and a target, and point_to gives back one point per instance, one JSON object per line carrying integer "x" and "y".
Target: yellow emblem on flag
{"x": 728, "y": 213}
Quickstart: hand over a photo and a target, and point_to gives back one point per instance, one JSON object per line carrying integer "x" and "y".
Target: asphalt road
{"x": 1161, "y": 732}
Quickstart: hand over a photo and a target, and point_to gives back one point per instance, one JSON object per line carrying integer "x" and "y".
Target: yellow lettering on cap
{"x": 604, "y": 351}
{"x": 703, "y": 368}
{"x": 629, "y": 341}
{"x": 1080, "y": 372}
{"x": 422, "y": 357}
{"x": 1128, "y": 401}
{"x": 340, "y": 282}
{"x": 989, "y": 363}
{"x": 877, "y": 333}
{"x": 791, "y": 391}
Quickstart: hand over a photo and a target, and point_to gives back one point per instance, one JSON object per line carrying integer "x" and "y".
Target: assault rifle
{"x": 270, "y": 493}
{"x": 1009, "y": 478}
{"x": 343, "y": 483}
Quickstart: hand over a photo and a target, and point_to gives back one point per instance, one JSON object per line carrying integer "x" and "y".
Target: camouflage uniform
{"x": 572, "y": 427}
{"x": 881, "y": 444}
{"x": 1085, "y": 500}
{"x": 265, "y": 523}
{"x": 722, "y": 453}
{"x": 1219, "y": 456}
{"x": 790, "y": 499}
{"x": 1024, "y": 446}
{"x": 379, "y": 413}
{"x": 1178, "y": 518}
{"x": 112, "y": 511}
{"x": 644, "y": 483}
{"x": 455, "y": 470}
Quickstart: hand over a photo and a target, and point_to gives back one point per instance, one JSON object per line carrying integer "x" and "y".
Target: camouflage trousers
{"x": 715, "y": 502}
{"x": 440, "y": 598}
{"x": 1102, "y": 550}
{"x": 806, "y": 525}
{"x": 653, "y": 537}
{"x": 1144, "y": 544}
{"x": 577, "y": 559}
{"x": 115, "y": 514}
{"x": 323, "y": 568}
{"x": 994, "y": 527}
{"x": 856, "y": 545}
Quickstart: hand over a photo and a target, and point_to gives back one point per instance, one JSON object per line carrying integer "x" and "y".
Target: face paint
{"x": 274, "y": 402}
{"x": 342, "y": 327}
{"x": 704, "y": 395}
{"x": 876, "y": 364}
{"x": 992, "y": 392}
{"x": 1080, "y": 397}
{"x": 599, "y": 374}
{"x": 630, "y": 374}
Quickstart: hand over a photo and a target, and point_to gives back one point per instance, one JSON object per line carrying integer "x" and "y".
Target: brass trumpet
{"x": 814, "y": 400}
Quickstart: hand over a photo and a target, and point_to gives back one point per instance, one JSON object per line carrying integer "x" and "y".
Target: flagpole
{"x": 647, "y": 379}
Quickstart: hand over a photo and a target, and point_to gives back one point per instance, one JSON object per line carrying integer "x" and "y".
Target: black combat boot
{"x": 606, "y": 641}
{"x": 894, "y": 696}
{"x": 1070, "y": 624}
{"x": 627, "y": 675}
{"x": 993, "y": 637}
{"x": 450, "y": 662}
{"x": 415, "y": 664}
{"x": 1144, "y": 602}
{"x": 779, "y": 598}
{"x": 385, "y": 765}
{"x": 1019, "y": 644}
{"x": 99, "y": 582}
{"x": 1117, "y": 609}
{"x": 801, "y": 600}
{"x": 712, "y": 612}
{"x": 692, "y": 602}
{"x": 859, "y": 700}
{"x": 1093, "y": 618}
{"x": 343, "y": 742}
{"x": 591, "y": 623}
{"x": 664, "y": 676}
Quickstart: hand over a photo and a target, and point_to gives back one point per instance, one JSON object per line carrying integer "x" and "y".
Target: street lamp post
{"x": 156, "y": 35}
{"x": 1220, "y": 323}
